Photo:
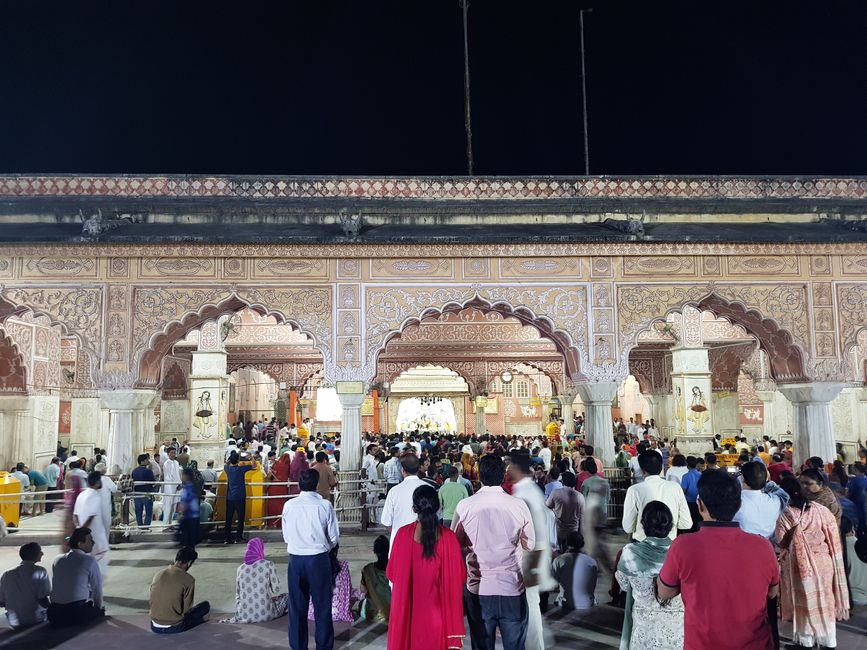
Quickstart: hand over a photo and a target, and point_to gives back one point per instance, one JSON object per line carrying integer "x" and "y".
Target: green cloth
{"x": 622, "y": 460}
{"x": 451, "y": 493}
{"x": 37, "y": 478}
{"x": 644, "y": 558}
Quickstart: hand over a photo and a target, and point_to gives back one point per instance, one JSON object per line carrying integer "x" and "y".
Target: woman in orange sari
{"x": 279, "y": 488}
{"x": 813, "y": 591}
{"x": 471, "y": 471}
{"x": 428, "y": 573}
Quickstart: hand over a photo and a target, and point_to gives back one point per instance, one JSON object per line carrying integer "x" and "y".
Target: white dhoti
{"x": 170, "y": 500}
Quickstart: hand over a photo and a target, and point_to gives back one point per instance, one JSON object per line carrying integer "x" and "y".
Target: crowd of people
{"x": 486, "y": 533}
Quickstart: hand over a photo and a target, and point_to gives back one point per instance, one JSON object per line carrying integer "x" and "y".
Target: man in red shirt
{"x": 699, "y": 567}
{"x": 777, "y": 468}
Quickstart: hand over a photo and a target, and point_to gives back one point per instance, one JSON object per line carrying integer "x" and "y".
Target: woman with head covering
{"x": 814, "y": 489}
{"x": 648, "y": 622}
{"x": 299, "y": 464}
{"x": 198, "y": 479}
{"x": 813, "y": 591}
{"x": 257, "y": 588}
{"x": 279, "y": 476}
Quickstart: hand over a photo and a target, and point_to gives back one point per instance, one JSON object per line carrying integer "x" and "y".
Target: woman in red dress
{"x": 278, "y": 488}
{"x": 428, "y": 573}
{"x": 299, "y": 464}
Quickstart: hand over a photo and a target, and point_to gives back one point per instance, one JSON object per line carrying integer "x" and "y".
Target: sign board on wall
{"x": 750, "y": 414}
{"x": 350, "y": 387}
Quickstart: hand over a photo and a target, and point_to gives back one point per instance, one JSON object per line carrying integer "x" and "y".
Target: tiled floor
{"x": 133, "y": 565}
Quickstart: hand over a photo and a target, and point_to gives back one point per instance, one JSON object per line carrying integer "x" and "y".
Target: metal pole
{"x": 584, "y": 96}
{"x": 468, "y": 124}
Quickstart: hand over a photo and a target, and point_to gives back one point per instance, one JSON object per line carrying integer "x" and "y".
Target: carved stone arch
{"x": 497, "y": 367}
{"x": 785, "y": 355}
{"x": 13, "y": 369}
{"x": 149, "y": 360}
{"x": 305, "y": 385}
{"x": 378, "y": 338}
{"x": 81, "y": 306}
{"x": 263, "y": 368}
{"x": 395, "y": 369}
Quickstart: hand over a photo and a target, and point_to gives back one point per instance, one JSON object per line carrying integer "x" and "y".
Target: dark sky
{"x": 376, "y": 87}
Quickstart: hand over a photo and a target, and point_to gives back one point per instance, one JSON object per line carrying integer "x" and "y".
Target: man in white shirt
{"x": 310, "y": 532}
{"x": 762, "y": 501}
{"x": 171, "y": 483}
{"x": 654, "y": 488}
{"x": 369, "y": 472}
{"x": 24, "y": 590}
{"x": 538, "y": 563}
{"x": 107, "y": 492}
{"x": 88, "y": 513}
{"x": 397, "y": 510}
{"x": 73, "y": 456}
{"x": 634, "y": 467}
{"x": 24, "y": 480}
{"x": 76, "y": 593}
{"x": 545, "y": 455}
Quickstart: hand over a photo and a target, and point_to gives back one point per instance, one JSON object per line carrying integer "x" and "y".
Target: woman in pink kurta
{"x": 428, "y": 573}
{"x": 813, "y": 590}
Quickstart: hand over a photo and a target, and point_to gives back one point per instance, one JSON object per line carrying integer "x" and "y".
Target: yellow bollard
{"x": 10, "y": 507}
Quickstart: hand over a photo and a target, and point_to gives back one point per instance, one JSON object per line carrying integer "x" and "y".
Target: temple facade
{"x": 138, "y": 308}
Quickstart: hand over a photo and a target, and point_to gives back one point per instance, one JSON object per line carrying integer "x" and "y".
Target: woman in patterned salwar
{"x": 813, "y": 590}
{"x": 257, "y": 588}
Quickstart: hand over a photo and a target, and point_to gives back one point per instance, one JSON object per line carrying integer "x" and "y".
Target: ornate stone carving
{"x": 177, "y": 267}
{"x": 852, "y": 307}
{"x": 755, "y": 265}
{"x": 77, "y": 308}
{"x": 658, "y": 265}
{"x": 388, "y": 309}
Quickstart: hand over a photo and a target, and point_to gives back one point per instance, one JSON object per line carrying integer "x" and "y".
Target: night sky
{"x": 376, "y": 87}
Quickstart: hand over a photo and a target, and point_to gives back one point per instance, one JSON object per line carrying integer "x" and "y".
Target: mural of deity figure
{"x": 698, "y": 410}
{"x": 204, "y": 414}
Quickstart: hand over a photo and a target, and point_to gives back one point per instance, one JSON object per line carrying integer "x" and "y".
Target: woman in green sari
{"x": 376, "y": 604}
{"x": 649, "y": 624}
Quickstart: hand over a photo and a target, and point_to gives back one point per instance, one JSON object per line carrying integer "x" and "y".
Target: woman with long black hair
{"x": 427, "y": 572}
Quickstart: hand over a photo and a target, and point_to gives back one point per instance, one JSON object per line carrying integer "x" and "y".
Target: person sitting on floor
{"x": 24, "y": 590}
{"x": 376, "y": 604}
{"x": 76, "y": 595}
{"x": 172, "y": 593}
{"x": 257, "y": 588}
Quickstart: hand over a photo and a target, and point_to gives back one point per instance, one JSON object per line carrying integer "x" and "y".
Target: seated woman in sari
{"x": 813, "y": 589}
{"x": 428, "y": 573}
{"x": 376, "y": 603}
{"x": 648, "y": 623}
{"x": 257, "y": 588}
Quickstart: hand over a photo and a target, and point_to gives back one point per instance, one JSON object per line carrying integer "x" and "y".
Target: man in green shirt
{"x": 451, "y": 493}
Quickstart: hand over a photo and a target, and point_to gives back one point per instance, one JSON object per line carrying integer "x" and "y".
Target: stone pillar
{"x": 84, "y": 428}
{"x": 770, "y": 427}
{"x": 350, "y": 431}
{"x": 567, "y": 415}
{"x": 481, "y": 401}
{"x": 861, "y": 413}
{"x": 597, "y": 398}
{"x": 125, "y": 435}
{"x": 690, "y": 383}
{"x": 814, "y": 431}
{"x": 208, "y": 397}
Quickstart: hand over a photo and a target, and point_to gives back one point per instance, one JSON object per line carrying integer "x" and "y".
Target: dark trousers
{"x": 194, "y": 617}
{"x": 511, "y": 615}
{"x": 78, "y": 613}
{"x": 696, "y": 517}
{"x": 773, "y": 603}
{"x": 232, "y": 508}
{"x": 144, "y": 511}
{"x": 188, "y": 532}
{"x": 310, "y": 578}
{"x": 473, "y": 611}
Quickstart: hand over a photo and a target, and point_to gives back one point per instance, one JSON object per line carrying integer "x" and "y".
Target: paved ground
{"x": 133, "y": 565}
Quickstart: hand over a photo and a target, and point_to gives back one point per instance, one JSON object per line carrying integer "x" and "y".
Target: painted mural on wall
{"x": 698, "y": 413}
{"x": 204, "y": 417}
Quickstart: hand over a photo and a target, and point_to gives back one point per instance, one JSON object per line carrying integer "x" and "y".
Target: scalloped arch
{"x": 561, "y": 339}
{"x": 150, "y": 360}
{"x": 785, "y": 357}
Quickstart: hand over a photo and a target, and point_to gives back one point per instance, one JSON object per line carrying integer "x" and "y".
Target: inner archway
{"x": 477, "y": 348}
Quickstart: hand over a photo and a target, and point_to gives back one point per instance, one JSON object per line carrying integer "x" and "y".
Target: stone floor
{"x": 133, "y": 565}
